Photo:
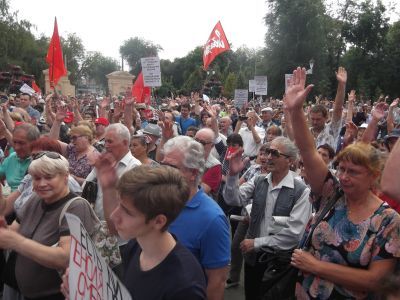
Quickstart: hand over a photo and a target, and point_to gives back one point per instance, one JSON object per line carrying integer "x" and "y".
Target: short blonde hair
{"x": 46, "y": 165}
{"x": 82, "y": 130}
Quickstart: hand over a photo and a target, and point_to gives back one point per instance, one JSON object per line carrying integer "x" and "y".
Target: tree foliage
{"x": 135, "y": 48}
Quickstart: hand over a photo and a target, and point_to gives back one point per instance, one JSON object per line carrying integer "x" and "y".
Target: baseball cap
{"x": 152, "y": 129}
{"x": 69, "y": 118}
{"x": 102, "y": 121}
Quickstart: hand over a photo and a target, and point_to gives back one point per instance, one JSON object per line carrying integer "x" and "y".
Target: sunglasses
{"x": 49, "y": 154}
{"x": 202, "y": 142}
{"x": 275, "y": 153}
{"x": 75, "y": 137}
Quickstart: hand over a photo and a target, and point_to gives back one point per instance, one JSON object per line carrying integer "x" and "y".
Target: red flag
{"x": 55, "y": 58}
{"x": 216, "y": 44}
{"x": 140, "y": 92}
{"x": 36, "y": 87}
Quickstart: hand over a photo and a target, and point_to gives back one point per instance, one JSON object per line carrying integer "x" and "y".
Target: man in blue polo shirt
{"x": 184, "y": 120}
{"x": 15, "y": 166}
{"x": 202, "y": 226}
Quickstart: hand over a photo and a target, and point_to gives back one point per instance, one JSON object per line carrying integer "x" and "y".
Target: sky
{"x": 177, "y": 25}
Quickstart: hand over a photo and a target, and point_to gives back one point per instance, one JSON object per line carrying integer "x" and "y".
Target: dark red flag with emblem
{"x": 55, "y": 58}
{"x": 140, "y": 92}
{"x": 216, "y": 44}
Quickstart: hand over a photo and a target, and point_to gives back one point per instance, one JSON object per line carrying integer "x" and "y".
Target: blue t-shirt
{"x": 14, "y": 169}
{"x": 186, "y": 123}
{"x": 203, "y": 228}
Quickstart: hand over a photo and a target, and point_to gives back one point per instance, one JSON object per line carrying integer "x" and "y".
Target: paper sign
{"x": 252, "y": 85}
{"x": 151, "y": 71}
{"x": 241, "y": 97}
{"x": 27, "y": 89}
{"x": 89, "y": 275}
{"x": 287, "y": 80}
{"x": 261, "y": 85}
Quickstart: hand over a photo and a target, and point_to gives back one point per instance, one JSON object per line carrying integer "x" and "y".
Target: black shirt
{"x": 178, "y": 276}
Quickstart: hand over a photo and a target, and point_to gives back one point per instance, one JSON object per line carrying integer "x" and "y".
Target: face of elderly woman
{"x": 354, "y": 179}
{"x": 81, "y": 142}
{"x": 50, "y": 188}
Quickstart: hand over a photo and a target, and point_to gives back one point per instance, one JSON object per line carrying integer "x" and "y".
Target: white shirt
{"x": 126, "y": 163}
{"x": 249, "y": 145}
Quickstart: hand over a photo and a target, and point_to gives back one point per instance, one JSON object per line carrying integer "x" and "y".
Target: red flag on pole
{"x": 55, "y": 58}
{"x": 216, "y": 44}
{"x": 36, "y": 87}
{"x": 140, "y": 92}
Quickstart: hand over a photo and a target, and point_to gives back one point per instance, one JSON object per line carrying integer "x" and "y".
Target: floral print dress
{"x": 338, "y": 240}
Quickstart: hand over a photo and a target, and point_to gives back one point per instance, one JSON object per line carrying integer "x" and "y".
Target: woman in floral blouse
{"x": 358, "y": 242}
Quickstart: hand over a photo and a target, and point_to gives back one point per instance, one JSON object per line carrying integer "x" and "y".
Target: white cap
{"x": 267, "y": 109}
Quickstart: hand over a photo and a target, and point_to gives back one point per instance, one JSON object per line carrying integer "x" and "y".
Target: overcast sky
{"x": 178, "y": 26}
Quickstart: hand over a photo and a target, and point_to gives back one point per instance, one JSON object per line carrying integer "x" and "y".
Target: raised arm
{"x": 55, "y": 128}
{"x": 390, "y": 118}
{"x": 351, "y": 97}
{"x": 390, "y": 177}
{"x": 341, "y": 76}
{"x": 378, "y": 113}
{"x": 128, "y": 113}
{"x": 296, "y": 94}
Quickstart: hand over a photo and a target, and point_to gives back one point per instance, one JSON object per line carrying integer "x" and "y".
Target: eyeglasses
{"x": 49, "y": 154}
{"x": 350, "y": 172}
{"x": 275, "y": 153}
{"x": 75, "y": 137}
{"x": 202, "y": 142}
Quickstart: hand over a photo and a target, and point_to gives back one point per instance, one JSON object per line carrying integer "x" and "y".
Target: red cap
{"x": 102, "y": 121}
{"x": 17, "y": 123}
{"x": 69, "y": 118}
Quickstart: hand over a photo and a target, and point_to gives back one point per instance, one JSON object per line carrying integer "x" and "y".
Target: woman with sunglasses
{"x": 357, "y": 242}
{"x": 80, "y": 152}
{"x": 39, "y": 240}
{"x": 17, "y": 199}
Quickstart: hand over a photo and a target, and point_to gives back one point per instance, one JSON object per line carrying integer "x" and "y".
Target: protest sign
{"x": 27, "y": 89}
{"x": 261, "y": 85}
{"x": 241, "y": 97}
{"x": 151, "y": 71}
{"x": 287, "y": 80}
{"x": 89, "y": 275}
{"x": 252, "y": 85}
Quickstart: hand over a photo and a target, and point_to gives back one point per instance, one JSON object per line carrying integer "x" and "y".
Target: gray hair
{"x": 290, "y": 147}
{"x": 192, "y": 152}
{"x": 32, "y": 132}
{"x": 121, "y": 130}
{"x": 45, "y": 165}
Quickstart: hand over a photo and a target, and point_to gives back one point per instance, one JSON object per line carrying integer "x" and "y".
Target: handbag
{"x": 9, "y": 271}
{"x": 106, "y": 244}
{"x": 280, "y": 277}
{"x": 89, "y": 191}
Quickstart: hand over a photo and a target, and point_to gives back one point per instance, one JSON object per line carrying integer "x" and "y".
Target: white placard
{"x": 261, "y": 85}
{"x": 151, "y": 71}
{"x": 287, "y": 80}
{"x": 89, "y": 275}
{"x": 27, "y": 89}
{"x": 252, "y": 85}
{"x": 241, "y": 97}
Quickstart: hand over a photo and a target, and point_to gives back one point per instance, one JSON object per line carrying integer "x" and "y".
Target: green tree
{"x": 136, "y": 48}
{"x": 96, "y": 67}
{"x": 230, "y": 85}
{"x": 296, "y": 33}
{"x": 74, "y": 54}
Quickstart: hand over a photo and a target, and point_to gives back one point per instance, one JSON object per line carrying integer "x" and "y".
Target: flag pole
{"x": 52, "y": 65}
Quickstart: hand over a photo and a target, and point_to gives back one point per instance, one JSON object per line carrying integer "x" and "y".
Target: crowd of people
{"x": 196, "y": 188}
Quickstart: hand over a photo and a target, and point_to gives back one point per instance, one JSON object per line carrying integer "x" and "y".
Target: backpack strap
{"x": 68, "y": 204}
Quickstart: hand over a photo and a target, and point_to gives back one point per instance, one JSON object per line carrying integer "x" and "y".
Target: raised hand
{"x": 394, "y": 103}
{"x": 106, "y": 172}
{"x": 130, "y": 101}
{"x": 351, "y": 96}
{"x": 167, "y": 130}
{"x": 236, "y": 163}
{"x": 61, "y": 113}
{"x": 105, "y": 102}
{"x": 296, "y": 92}
{"x": 351, "y": 133}
{"x": 341, "y": 75}
{"x": 379, "y": 111}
